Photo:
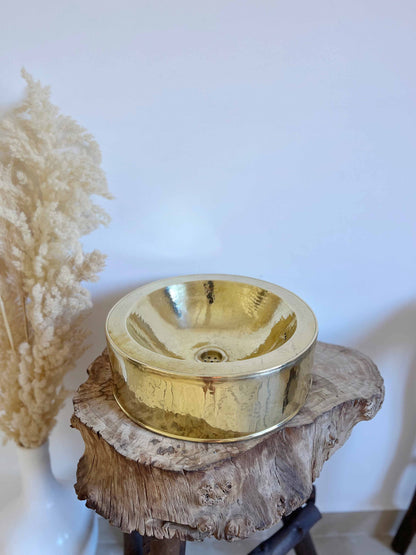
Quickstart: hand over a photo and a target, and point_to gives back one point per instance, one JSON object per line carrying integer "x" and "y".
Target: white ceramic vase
{"x": 47, "y": 518}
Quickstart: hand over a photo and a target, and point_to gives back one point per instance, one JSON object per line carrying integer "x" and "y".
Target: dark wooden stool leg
{"x": 305, "y": 546}
{"x": 153, "y": 546}
{"x": 135, "y": 544}
{"x": 294, "y": 533}
{"x": 407, "y": 529}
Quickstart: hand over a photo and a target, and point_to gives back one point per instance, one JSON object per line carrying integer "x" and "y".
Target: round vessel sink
{"x": 211, "y": 357}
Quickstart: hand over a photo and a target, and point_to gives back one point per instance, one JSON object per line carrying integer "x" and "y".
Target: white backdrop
{"x": 272, "y": 139}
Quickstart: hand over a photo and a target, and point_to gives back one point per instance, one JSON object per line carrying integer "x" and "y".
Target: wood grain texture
{"x": 167, "y": 488}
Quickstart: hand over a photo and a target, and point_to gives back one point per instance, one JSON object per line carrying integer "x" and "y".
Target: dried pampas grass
{"x": 49, "y": 168}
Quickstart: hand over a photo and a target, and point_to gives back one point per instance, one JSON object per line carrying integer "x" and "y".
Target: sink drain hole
{"x": 211, "y": 354}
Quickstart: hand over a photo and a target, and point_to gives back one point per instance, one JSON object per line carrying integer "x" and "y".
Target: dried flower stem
{"x": 6, "y": 323}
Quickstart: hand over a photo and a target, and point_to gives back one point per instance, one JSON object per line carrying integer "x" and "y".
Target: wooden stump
{"x": 168, "y": 488}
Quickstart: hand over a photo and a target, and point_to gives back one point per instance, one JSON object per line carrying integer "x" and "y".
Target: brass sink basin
{"x": 211, "y": 357}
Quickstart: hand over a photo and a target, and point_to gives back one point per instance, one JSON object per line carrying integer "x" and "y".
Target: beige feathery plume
{"x": 49, "y": 169}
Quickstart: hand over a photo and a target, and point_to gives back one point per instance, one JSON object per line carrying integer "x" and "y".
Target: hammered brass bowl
{"x": 211, "y": 357}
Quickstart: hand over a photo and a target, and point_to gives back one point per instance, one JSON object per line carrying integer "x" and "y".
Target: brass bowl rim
{"x": 289, "y": 353}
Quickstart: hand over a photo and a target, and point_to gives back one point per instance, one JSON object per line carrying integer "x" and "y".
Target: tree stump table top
{"x": 166, "y": 488}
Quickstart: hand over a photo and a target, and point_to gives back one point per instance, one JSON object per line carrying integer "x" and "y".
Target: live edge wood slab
{"x": 168, "y": 488}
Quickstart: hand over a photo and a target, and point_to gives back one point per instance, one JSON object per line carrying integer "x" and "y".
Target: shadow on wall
{"x": 395, "y": 340}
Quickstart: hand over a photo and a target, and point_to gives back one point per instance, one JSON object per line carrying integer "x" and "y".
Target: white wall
{"x": 271, "y": 139}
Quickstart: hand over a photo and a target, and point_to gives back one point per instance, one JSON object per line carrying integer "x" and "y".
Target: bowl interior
{"x": 211, "y": 321}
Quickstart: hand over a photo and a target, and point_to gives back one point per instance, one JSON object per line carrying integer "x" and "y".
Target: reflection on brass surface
{"x": 211, "y": 357}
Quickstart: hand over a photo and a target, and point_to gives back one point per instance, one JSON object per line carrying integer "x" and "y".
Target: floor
{"x": 366, "y": 533}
